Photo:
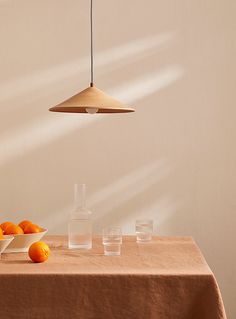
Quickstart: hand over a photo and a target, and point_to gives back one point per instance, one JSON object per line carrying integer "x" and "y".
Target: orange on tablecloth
{"x": 166, "y": 279}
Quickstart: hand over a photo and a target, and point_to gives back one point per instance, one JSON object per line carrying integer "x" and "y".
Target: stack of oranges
{"x": 24, "y": 227}
{"x": 38, "y": 251}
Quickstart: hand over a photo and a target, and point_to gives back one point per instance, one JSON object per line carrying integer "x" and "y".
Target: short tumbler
{"x": 144, "y": 230}
{"x": 112, "y": 240}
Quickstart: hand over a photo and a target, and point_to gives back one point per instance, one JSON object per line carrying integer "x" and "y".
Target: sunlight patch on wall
{"x": 115, "y": 194}
{"x": 45, "y": 130}
{"x": 5, "y": 2}
{"x": 148, "y": 84}
{"x": 25, "y": 84}
{"x": 128, "y": 185}
{"x": 134, "y": 184}
{"x": 138, "y": 181}
{"x": 19, "y": 142}
{"x": 160, "y": 212}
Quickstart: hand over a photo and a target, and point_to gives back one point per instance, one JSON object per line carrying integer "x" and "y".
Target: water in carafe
{"x": 80, "y": 224}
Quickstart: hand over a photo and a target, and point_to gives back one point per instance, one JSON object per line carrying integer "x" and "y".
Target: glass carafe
{"x": 80, "y": 223}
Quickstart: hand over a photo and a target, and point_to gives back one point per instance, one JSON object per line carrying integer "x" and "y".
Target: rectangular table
{"x": 166, "y": 279}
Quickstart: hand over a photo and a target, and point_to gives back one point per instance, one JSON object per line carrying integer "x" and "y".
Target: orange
{"x": 24, "y": 223}
{"x": 39, "y": 252}
{"x": 13, "y": 229}
{"x": 5, "y": 225}
{"x": 1, "y": 233}
{"x": 32, "y": 228}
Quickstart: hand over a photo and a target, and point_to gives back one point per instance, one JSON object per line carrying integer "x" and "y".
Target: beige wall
{"x": 173, "y": 160}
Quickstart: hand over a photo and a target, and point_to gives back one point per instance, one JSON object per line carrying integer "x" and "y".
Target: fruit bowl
{"x": 5, "y": 242}
{"x": 22, "y": 242}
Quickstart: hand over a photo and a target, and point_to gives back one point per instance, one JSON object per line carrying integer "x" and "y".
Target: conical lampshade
{"x": 91, "y": 100}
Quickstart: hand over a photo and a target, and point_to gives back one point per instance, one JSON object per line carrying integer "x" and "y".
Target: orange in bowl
{"x": 1, "y": 233}
{"x": 39, "y": 252}
{"x": 13, "y": 230}
{"x": 32, "y": 228}
{"x": 24, "y": 223}
{"x": 5, "y": 225}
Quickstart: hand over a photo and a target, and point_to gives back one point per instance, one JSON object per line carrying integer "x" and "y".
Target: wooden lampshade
{"x": 91, "y": 100}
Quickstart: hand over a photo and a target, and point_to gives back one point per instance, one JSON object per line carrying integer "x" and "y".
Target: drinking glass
{"x": 112, "y": 240}
{"x": 144, "y": 230}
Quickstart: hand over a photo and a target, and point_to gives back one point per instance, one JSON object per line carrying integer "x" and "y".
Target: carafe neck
{"x": 79, "y": 196}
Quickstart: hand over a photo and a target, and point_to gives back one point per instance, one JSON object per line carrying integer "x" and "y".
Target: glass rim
{"x": 112, "y": 230}
{"x": 112, "y": 227}
{"x": 144, "y": 220}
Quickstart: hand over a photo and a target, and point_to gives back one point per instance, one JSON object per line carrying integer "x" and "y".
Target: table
{"x": 166, "y": 279}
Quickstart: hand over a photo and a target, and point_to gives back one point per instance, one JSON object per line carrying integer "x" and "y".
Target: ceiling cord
{"x": 91, "y": 42}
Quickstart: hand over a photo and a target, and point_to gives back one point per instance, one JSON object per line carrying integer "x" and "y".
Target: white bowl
{"x": 22, "y": 242}
{"x": 5, "y": 242}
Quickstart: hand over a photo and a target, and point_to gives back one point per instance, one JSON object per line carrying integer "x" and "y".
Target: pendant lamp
{"x": 91, "y": 100}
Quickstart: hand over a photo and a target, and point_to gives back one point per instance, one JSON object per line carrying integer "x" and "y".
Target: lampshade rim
{"x": 92, "y": 98}
{"x": 82, "y": 109}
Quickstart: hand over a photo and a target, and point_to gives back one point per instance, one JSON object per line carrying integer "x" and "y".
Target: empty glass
{"x": 144, "y": 230}
{"x": 112, "y": 240}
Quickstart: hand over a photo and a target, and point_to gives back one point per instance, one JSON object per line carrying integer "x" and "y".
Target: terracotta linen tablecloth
{"x": 166, "y": 279}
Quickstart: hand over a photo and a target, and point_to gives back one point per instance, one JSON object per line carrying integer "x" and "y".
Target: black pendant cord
{"x": 91, "y": 42}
